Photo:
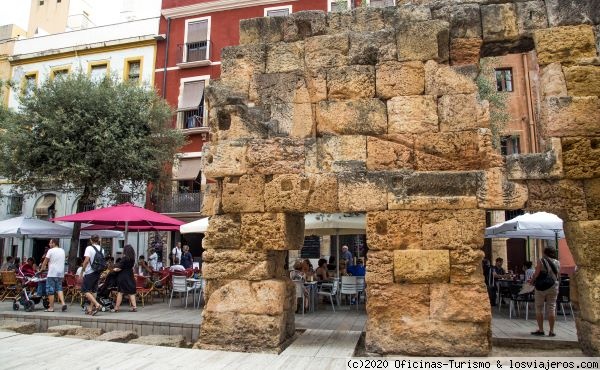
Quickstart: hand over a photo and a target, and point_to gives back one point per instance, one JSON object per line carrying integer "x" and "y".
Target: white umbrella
{"x": 198, "y": 226}
{"x": 539, "y": 225}
{"x": 28, "y": 227}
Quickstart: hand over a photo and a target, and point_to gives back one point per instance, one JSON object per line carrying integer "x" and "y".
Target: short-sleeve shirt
{"x": 177, "y": 268}
{"x": 56, "y": 262}
{"x": 91, "y": 252}
{"x": 177, "y": 253}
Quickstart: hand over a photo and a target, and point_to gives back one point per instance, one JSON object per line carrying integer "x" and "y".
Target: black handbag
{"x": 544, "y": 281}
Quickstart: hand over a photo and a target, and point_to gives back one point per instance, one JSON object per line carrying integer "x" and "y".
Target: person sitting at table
{"x": 297, "y": 273}
{"x": 142, "y": 266}
{"x": 322, "y": 273}
{"x": 495, "y": 272}
{"x": 28, "y": 268}
{"x": 176, "y": 267}
{"x": 529, "y": 270}
{"x": 308, "y": 270}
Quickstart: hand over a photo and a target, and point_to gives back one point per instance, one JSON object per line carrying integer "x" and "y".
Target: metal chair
{"x": 142, "y": 289}
{"x": 11, "y": 285}
{"x": 361, "y": 287}
{"x": 180, "y": 285}
{"x": 349, "y": 288}
{"x": 564, "y": 297}
{"x": 516, "y": 298}
{"x": 300, "y": 292}
{"x": 329, "y": 290}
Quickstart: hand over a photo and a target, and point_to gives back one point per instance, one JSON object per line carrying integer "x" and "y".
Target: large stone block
{"x": 274, "y": 88}
{"x": 564, "y": 198}
{"x": 552, "y": 81}
{"x": 339, "y": 22}
{"x": 272, "y": 231}
{"x": 547, "y": 165}
{"x": 581, "y": 157}
{"x": 346, "y": 153}
{"x": 460, "y": 303}
{"x": 222, "y": 264}
{"x": 412, "y": 114}
{"x": 495, "y": 191}
{"x": 588, "y": 293}
{"x": 372, "y": 48}
{"x": 406, "y": 13}
{"x": 267, "y": 297}
{"x": 421, "y": 266}
{"x": 465, "y": 266}
{"x": 453, "y": 229}
{"x": 223, "y": 232}
{"x": 211, "y": 200}
{"x": 456, "y": 151}
{"x": 465, "y": 51}
{"x": 572, "y": 12}
{"x": 240, "y": 63}
{"x": 410, "y": 301}
{"x": 327, "y": 51}
{"x": 564, "y": 44}
{"x": 275, "y": 156}
{"x": 301, "y": 193}
{"x": 444, "y": 80}
{"x": 592, "y": 198}
{"x": 460, "y": 112}
{"x": 392, "y": 230}
{"x": 390, "y": 153}
{"x": 424, "y": 41}
{"x": 295, "y": 120}
{"x": 316, "y": 83}
{"x": 226, "y": 158}
{"x": 583, "y": 80}
{"x": 353, "y": 117}
{"x": 531, "y": 15}
{"x": 464, "y": 20}
{"x": 261, "y": 30}
{"x": 351, "y": 82}
{"x": 304, "y": 24}
{"x": 584, "y": 239}
{"x": 285, "y": 57}
{"x": 499, "y": 22}
{"x": 243, "y": 194}
{"x": 360, "y": 192}
{"x": 381, "y": 268}
{"x": 237, "y": 122}
{"x": 368, "y": 19}
{"x": 588, "y": 335}
{"x": 396, "y": 79}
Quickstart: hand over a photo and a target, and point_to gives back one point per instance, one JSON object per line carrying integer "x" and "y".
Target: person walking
{"x": 125, "y": 279}
{"x": 176, "y": 253}
{"x": 186, "y": 258}
{"x": 55, "y": 260}
{"x": 347, "y": 255}
{"x": 89, "y": 286}
{"x": 547, "y": 266}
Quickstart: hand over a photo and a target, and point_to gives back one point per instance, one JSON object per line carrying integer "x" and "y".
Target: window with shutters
{"x": 98, "y": 70}
{"x": 197, "y": 40}
{"x": 278, "y": 11}
{"x": 504, "y": 79}
{"x": 133, "y": 68}
{"x": 190, "y": 110}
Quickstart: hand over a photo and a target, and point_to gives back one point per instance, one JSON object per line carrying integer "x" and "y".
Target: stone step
{"x": 161, "y": 340}
{"x": 63, "y": 330}
{"x": 21, "y": 327}
{"x": 121, "y": 336}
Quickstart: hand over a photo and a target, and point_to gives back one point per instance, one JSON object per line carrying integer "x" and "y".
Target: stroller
{"x": 105, "y": 287}
{"x": 27, "y": 300}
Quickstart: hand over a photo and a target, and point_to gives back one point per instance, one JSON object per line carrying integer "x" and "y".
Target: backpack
{"x": 544, "y": 280}
{"x": 99, "y": 263}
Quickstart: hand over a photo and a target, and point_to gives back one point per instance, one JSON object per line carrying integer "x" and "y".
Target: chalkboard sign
{"x": 311, "y": 247}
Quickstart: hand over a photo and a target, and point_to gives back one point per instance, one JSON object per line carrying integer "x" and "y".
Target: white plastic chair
{"x": 349, "y": 287}
{"x": 329, "y": 290}
{"x": 198, "y": 288}
{"x": 300, "y": 292}
{"x": 360, "y": 287}
{"x": 180, "y": 286}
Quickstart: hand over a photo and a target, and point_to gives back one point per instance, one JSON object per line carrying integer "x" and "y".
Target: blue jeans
{"x": 41, "y": 289}
{"x": 53, "y": 285}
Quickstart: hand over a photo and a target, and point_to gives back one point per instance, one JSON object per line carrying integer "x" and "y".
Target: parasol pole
{"x": 528, "y": 249}
{"x": 138, "y": 244}
{"x": 126, "y": 231}
{"x": 22, "y": 248}
{"x": 556, "y": 242}
{"x": 337, "y": 251}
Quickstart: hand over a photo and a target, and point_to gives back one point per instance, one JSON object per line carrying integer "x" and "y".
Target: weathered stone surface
{"x": 499, "y": 22}
{"x": 444, "y": 80}
{"x": 120, "y": 336}
{"x": 592, "y": 198}
{"x": 304, "y": 24}
{"x": 226, "y": 158}
{"x": 275, "y": 156}
{"x": 21, "y": 327}
{"x": 583, "y": 80}
{"x": 368, "y": 19}
{"x": 423, "y": 41}
{"x": 453, "y": 229}
{"x": 564, "y": 44}
{"x": 353, "y": 117}
{"x": 235, "y": 264}
{"x": 547, "y": 165}
{"x": 339, "y": 22}
{"x": 587, "y": 280}
{"x": 564, "y": 198}
{"x": 459, "y": 112}
{"x": 584, "y": 238}
{"x": 327, "y": 51}
{"x": 373, "y": 47}
{"x": 588, "y": 335}
{"x": 359, "y": 192}
{"x": 272, "y": 231}
{"x": 351, "y": 82}
{"x": 392, "y": 230}
{"x": 285, "y": 57}
{"x": 451, "y": 302}
{"x": 261, "y": 30}
{"x": 531, "y": 15}
{"x": 293, "y": 120}
{"x": 91, "y": 333}
{"x": 421, "y": 266}
{"x": 223, "y": 232}
{"x": 176, "y": 341}
{"x": 464, "y": 20}
{"x": 54, "y": 335}
{"x": 465, "y": 51}
{"x": 552, "y": 81}
{"x": 390, "y": 153}
{"x": 581, "y": 157}
{"x": 381, "y": 268}
{"x": 301, "y": 193}
{"x": 211, "y": 200}
{"x": 347, "y": 153}
{"x": 401, "y": 335}
{"x": 406, "y": 13}
{"x": 266, "y": 297}
{"x": 277, "y": 88}
{"x": 243, "y": 194}
{"x": 233, "y": 122}
{"x": 316, "y": 83}
{"x": 409, "y": 301}
{"x": 396, "y": 79}
{"x": 495, "y": 191}
{"x": 412, "y": 114}
{"x": 465, "y": 266}
{"x": 240, "y": 63}
{"x": 570, "y": 12}
{"x": 455, "y": 151}
{"x": 64, "y": 329}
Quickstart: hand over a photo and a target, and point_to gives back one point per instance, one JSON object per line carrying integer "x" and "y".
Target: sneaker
{"x": 538, "y": 333}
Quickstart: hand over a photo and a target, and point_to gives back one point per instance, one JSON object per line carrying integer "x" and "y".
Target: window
{"x": 197, "y": 35}
{"x": 29, "y": 83}
{"x": 41, "y": 2}
{"x": 278, "y": 11}
{"x": 133, "y": 70}
{"x": 509, "y": 145}
{"x": 191, "y": 105}
{"x": 381, "y": 3}
{"x": 83, "y": 206}
{"x": 123, "y": 198}
{"x": 59, "y": 73}
{"x": 504, "y": 80}
{"x": 338, "y": 5}
{"x": 15, "y": 204}
{"x": 98, "y": 71}
{"x": 46, "y": 207}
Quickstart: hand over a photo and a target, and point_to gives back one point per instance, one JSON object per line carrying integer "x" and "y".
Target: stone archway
{"x": 360, "y": 112}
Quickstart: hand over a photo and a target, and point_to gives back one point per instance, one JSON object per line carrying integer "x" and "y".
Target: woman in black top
{"x": 125, "y": 279}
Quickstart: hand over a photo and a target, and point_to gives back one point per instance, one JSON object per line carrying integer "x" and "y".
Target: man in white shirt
{"x": 89, "y": 286}
{"x": 176, "y": 252}
{"x": 55, "y": 260}
{"x": 153, "y": 259}
{"x": 176, "y": 266}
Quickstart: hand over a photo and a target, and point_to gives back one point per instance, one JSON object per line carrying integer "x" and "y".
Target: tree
{"x": 91, "y": 137}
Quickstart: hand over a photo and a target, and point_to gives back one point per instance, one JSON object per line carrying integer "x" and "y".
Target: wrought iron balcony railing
{"x": 181, "y": 202}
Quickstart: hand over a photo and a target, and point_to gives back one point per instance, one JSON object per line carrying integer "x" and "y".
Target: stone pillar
{"x": 499, "y": 245}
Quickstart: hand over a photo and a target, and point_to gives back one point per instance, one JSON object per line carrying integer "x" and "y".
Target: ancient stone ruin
{"x": 365, "y": 111}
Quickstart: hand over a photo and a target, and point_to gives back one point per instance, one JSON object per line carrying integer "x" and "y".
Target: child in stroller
{"x": 105, "y": 287}
{"x": 27, "y": 300}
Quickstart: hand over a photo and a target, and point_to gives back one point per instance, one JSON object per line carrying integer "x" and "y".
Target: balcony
{"x": 194, "y": 54}
{"x": 180, "y": 203}
{"x": 193, "y": 121}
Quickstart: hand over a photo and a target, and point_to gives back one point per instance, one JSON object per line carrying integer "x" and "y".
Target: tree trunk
{"x": 73, "y": 251}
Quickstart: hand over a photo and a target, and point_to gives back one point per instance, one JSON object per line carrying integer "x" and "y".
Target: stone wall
{"x": 362, "y": 112}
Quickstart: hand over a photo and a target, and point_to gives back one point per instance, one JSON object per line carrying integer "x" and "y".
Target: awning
{"x": 192, "y": 95}
{"x": 47, "y": 202}
{"x": 188, "y": 169}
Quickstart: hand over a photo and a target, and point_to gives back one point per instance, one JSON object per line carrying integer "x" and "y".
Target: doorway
{"x": 39, "y": 248}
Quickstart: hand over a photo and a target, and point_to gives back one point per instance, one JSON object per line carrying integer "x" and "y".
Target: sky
{"x": 107, "y": 11}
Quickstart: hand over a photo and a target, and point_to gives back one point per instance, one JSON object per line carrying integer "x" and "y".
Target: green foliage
{"x": 75, "y": 134}
{"x": 486, "y": 84}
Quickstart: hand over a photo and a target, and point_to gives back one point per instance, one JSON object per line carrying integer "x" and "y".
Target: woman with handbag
{"x": 546, "y": 281}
